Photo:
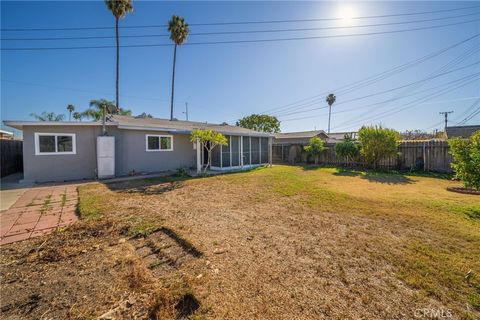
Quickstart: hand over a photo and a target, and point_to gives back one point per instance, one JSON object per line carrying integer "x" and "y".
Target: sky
{"x": 222, "y": 82}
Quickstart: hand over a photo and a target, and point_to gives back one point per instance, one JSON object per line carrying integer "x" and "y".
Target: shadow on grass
{"x": 378, "y": 177}
{"x": 149, "y": 186}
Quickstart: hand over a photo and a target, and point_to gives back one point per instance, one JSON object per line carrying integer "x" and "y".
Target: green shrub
{"x": 347, "y": 149}
{"x": 315, "y": 148}
{"x": 466, "y": 159}
{"x": 378, "y": 143}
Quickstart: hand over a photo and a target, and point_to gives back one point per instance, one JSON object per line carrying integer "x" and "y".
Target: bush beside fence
{"x": 429, "y": 155}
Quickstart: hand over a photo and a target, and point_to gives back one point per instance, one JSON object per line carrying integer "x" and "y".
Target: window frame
{"x": 56, "y": 135}
{"x": 159, "y": 136}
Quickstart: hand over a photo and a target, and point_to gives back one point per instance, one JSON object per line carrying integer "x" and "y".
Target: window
{"x": 159, "y": 143}
{"x": 54, "y": 143}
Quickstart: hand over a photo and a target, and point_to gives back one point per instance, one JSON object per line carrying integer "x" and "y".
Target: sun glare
{"x": 347, "y": 15}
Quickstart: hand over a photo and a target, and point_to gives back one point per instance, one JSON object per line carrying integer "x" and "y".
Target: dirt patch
{"x": 86, "y": 271}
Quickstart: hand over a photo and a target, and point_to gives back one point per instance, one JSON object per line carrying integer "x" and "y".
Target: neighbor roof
{"x": 461, "y": 131}
{"x": 299, "y": 134}
{"x": 154, "y": 124}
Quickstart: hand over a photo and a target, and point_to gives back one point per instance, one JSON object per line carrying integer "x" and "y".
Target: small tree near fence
{"x": 466, "y": 160}
{"x": 208, "y": 139}
{"x": 377, "y": 143}
{"x": 315, "y": 148}
{"x": 347, "y": 149}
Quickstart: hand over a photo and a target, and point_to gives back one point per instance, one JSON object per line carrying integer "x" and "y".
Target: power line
{"x": 242, "y": 32}
{"x": 409, "y": 105}
{"x": 473, "y": 113}
{"x": 405, "y": 86}
{"x": 243, "y": 22}
{"x": 372, "y": 79}
{"x": 242, "y": 41}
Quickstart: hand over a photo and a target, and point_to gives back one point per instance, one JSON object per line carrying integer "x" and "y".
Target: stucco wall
{"x": 130, "y": 154}
{"x": 42, "y": 168}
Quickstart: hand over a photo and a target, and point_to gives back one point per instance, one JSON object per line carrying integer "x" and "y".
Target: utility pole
{"x": 446, "y": 113}
{"x": 186, "y": 110}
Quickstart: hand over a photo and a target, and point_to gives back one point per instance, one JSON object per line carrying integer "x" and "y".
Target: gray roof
{"x": 461, "y": 131}
{"x": 153, "y": 124}
{"x": 299, "y": 134}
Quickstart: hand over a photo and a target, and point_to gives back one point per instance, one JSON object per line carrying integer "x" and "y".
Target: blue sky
{"x": 223, "y": 82}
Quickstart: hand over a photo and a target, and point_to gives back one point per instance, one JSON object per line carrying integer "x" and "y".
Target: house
{"x": 6, "y": 135}
{"x": 60, "y": 151}
{"x": 461, "y": 131}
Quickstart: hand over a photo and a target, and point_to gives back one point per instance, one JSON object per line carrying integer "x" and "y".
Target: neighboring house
{"x": 461, "y": 131}
{"x": 6, "y": 135}
{"x": 59, "y": 151}
{"x": 289, "y": 146}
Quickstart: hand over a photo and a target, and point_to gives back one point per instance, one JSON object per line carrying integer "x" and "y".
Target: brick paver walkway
{"x": 39, "y": 211}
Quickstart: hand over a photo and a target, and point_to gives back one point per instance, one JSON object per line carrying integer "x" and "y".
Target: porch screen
{"x": 215, "y": 156}
{"x": 264, "y": 150}
{"x": 246, "y": 150}
{"x": 226, "y": 154}
{"x": 255, "y": 150}
{"x": 235, "y": 146}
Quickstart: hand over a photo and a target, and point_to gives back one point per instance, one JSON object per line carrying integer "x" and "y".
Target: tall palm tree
{"x": 330, "y": 100}
{"x": 178, "y": 34}
{"x": 70, "y": 109}
{"x": 119, "y": 9}
{"x": 48, "y": 116}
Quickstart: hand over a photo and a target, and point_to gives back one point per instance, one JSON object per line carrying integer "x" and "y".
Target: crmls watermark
{"x": 432, "y": 313}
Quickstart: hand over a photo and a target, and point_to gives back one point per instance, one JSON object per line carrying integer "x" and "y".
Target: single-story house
{"x": 61, "y": 151}
{"x": 461, "y": 131}
{"x": 6, "y": 135}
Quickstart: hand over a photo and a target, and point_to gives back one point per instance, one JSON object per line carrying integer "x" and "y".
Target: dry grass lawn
{"x": 274, "y": 243}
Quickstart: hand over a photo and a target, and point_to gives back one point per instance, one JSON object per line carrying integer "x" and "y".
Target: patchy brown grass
{"x": 279, "y": 243}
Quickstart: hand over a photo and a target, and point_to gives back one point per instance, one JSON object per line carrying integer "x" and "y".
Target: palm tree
{"x": 77, "y": 116}
{"x": 178, "y": 34}
{"x": 330, "y": 100}
{"x": 99, "y": 109}
{"x": 48, "y": 116}
{"x": 70, "y": 109}
{"x": 119, "y": 9}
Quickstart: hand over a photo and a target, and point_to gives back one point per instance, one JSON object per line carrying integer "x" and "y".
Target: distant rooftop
{"x": 461, "y": 131}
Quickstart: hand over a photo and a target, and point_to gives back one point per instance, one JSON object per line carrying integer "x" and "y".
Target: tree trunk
{"x": 316, "y": 160}
{"x": 70, "y": 116}
{"x": 173, "y": 80}
{"x": 104, "y": 129}
{"x": 329, "y": 114}
{"x": 117, "y": 103}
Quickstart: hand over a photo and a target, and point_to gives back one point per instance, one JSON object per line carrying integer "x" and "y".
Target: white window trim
{"x": 37, "y": 143}
{"x": 159, "y": 144}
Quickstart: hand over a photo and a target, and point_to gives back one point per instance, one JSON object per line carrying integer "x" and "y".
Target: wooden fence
{"x": 412, "y": 155}
{"x": 11, "y": 156}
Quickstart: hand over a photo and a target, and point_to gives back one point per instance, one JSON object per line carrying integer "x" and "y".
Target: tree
{"x": 377, "y": 143}
{"x": 178, "y": 34}
{"x": 330, "y": 100}
{"x": 48, "y": 116}
{"x": 260, "y": 122}
{"x": 119, "y": 9}
{"x": 77, "y": 116}
{"x": 466, "y": 159}
{"x": 144, "y": 115}
{"x": 97, "y": 106}
{"x": 208, "y": 140}
{"x": 347, "y": 149}
{"x": 315, "y": 148}
{"x": 70, "y": 109}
